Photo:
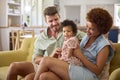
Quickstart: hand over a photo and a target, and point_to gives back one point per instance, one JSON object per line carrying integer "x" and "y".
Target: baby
{"x": 71, "y": 43}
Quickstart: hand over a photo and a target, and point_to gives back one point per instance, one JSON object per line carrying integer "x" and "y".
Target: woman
{"x": 95, "y": 52}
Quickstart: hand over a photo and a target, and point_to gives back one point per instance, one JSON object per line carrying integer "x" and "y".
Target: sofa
{"x": 22, "y": 54}
{"x": 25, "y": 54}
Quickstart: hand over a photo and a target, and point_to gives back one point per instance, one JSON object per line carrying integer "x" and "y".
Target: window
{"x": 32, "y": 12}
{"x": 117, "y": 15}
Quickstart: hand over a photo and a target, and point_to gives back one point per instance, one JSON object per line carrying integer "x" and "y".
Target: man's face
{"x": 53, "y": 22}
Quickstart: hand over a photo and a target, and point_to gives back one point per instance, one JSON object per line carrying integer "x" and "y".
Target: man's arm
{"x": 38, "y": 51}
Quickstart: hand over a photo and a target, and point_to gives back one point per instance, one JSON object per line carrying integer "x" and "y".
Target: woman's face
{"x": 53, "y": 22}
{"x": 91, "y": 30}
{"x": 67, "y": 32}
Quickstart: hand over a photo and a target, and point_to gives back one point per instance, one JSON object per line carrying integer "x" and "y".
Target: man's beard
{"x": 55, "y": 28}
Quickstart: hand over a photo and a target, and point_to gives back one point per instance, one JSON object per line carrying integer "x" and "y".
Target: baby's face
{"x": 67, "y": 32}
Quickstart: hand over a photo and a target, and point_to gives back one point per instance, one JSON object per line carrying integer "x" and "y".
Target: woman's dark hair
{"x": 71, "y": 24}
{"x": 51, "y": 10}
{"x": 101, "y": 19}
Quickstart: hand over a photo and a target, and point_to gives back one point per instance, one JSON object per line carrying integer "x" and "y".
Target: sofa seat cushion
{"x": 3, "y": 72}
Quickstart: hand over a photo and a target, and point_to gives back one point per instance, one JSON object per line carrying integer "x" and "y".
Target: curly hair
{"x": 101, "y": 19}
{"x": 70, "y": 23}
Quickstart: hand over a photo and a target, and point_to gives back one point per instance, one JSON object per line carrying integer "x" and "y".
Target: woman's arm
{"x": 70, "y": 52}
{"x": 112, "y": 45}
{"x": 100, "y": 62}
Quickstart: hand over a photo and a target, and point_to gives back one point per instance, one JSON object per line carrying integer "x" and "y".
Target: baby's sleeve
{"x": 73, "y": 43}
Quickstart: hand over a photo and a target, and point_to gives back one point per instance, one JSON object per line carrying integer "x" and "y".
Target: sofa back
{"x": 28, "y": 45}
{"x": 115, "y": 62}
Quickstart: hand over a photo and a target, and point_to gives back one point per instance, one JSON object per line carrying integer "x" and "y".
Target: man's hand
{"x": 56, "y": 53}
{"x": 37, "y": 59}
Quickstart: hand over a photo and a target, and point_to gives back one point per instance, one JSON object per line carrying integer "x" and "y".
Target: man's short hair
{"x": 51, "y": 10}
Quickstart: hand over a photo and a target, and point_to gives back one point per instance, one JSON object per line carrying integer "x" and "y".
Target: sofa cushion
{"x": 115, "y": 62}
{"x": 3, "y": 71}
{"x": 115, "y": 75}
{"x": 30, "y": 50}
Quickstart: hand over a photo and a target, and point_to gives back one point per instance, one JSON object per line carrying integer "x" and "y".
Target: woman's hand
{"x": 56, "y": 53}
{"x": 77, "y": 52}
{"x": 70, "y": 52}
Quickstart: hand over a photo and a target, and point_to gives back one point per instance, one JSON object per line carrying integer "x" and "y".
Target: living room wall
{"x": 85, "y": 6}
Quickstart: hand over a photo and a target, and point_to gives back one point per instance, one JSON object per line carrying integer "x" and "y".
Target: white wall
{"x": 45, "y": 4}
{"x": 3, "y": 13}
{"x": 4, "y": 35}
{"x": 85, "y": 4}
{"x": 73, "y": 13}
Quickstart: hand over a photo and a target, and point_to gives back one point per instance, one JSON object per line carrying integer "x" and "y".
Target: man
{"x": 48, "y": 40}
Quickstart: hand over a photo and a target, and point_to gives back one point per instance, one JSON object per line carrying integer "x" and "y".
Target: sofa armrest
{"x": 115, "y": 75}
{"x": 115, "y": 62}
{"x": 7, "y": 57}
